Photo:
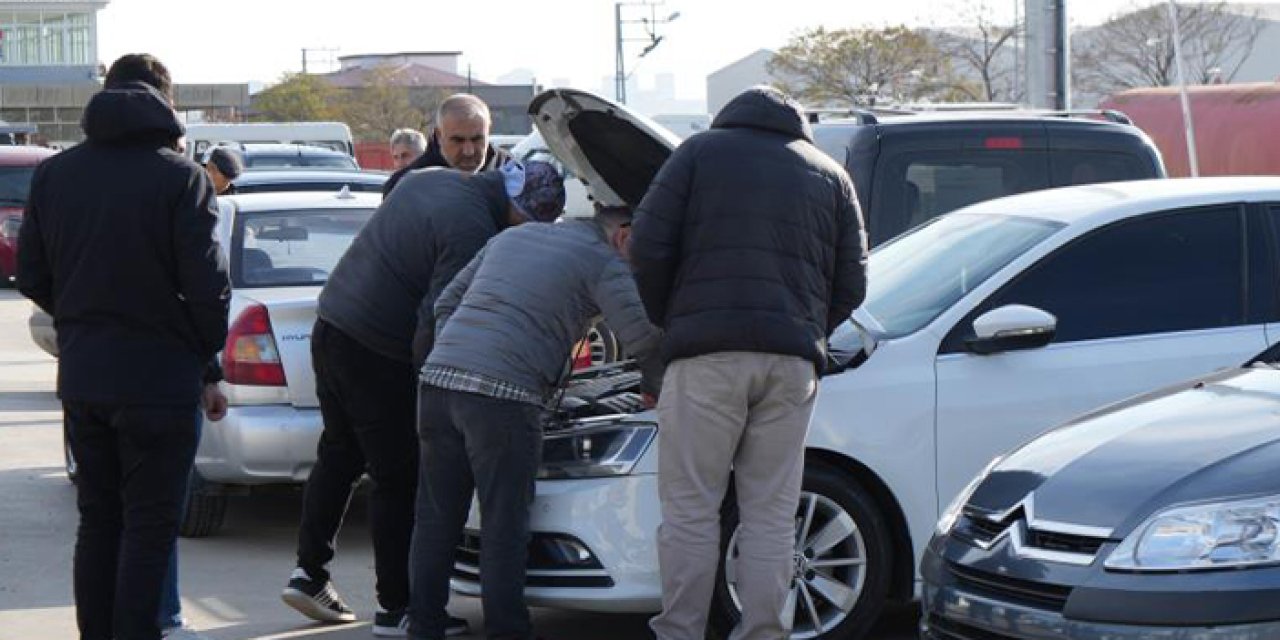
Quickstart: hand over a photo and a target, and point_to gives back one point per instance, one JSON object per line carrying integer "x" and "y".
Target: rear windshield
{"x": 275, "y": 187}
{"x": 15, "y": 184}
{"x": 277, "y": 161}
{"x": 292, "y": 248}
{"x": 915, "y": 187}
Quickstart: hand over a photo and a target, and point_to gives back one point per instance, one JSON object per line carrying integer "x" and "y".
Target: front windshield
{"x": 913, "y": 279}
{"x": 15, "y": 183}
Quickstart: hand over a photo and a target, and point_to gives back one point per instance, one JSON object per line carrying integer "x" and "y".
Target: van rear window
{"x": 915, "y": 187}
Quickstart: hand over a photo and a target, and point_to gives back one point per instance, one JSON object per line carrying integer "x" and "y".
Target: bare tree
{"x": 1135, "y": 49}
{"x": 862, "y": 66}
{"x": 381, "y": 106}
{"x": 986, "y": 48}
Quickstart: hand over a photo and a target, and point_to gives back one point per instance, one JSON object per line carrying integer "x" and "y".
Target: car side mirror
{"x": 1011, "y": 328}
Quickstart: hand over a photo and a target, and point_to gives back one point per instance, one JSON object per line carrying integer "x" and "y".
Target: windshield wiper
{"x": 17, "y": 201}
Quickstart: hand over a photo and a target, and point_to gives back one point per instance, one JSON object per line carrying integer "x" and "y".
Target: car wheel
{"x": 842, "y": 562}
{"x": 604, "y": 344}
{"x": 69, "y": 458}
{"x": 206, "y": 509}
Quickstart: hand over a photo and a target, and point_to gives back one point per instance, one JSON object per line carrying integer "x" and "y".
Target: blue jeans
{"x": 170, "y": 603}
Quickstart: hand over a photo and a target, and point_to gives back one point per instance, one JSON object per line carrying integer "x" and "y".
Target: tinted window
{"x": 1090, "y": 167}
{"x": 292, "y": 248}
{"x": 914, "y": 187}
{"x": 1172, "y": 272}
{"x": 15, "y": 184}
{"x": 1262, "y": 266}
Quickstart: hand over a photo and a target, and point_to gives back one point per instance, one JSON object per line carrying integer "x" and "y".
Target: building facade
{"x": 49, "y": 69}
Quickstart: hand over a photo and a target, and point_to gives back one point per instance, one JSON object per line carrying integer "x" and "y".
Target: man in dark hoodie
{"x": 118, "y": 246}
{"x": 461, "y": 140}
{"x": 375, "y": 326}
{"x": 748, "y": 263}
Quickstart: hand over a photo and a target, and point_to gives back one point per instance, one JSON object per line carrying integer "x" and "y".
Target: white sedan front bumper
{"x": 592, "y": 548}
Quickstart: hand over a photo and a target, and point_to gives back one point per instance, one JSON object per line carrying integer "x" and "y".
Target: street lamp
{"x": 652, "y": 40}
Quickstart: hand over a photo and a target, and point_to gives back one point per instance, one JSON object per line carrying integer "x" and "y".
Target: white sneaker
{"x": 183, "y": 633}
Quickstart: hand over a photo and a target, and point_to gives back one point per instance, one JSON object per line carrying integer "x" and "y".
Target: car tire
{"x": 206, "y": 509}
{"x": 856, "y": 568}
{"x": 604, "y": 344}
{"x": 68, "y": 458}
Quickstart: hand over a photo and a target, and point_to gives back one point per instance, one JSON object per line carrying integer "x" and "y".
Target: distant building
{"x": 430, "y": 75}
{"x": 49, "y": 68}
{"x": 737, "y": 77}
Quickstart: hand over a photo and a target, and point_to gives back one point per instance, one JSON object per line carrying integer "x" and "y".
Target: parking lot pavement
{"x": 231, "y": 581}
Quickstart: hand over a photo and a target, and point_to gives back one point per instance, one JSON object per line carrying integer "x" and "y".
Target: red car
{"x": 17, "y": 163}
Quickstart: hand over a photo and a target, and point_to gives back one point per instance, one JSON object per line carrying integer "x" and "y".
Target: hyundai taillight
{"x": 9, "y": 228}
{"x": 250, "y": 356}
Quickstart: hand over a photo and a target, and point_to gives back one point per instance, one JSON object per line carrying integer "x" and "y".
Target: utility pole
{"x": 652, "y": 38}
{"x": 1187, "y": 121}
{"x": 1048, "y": 56}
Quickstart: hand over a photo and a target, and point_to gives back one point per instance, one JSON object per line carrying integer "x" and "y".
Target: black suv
{"x": 908, "y": 169}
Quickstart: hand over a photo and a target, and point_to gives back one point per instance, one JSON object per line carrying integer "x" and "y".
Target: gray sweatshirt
{"x": 515, "y": 312}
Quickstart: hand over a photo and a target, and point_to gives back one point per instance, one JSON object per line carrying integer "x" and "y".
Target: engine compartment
{"x": 611, "y": 389}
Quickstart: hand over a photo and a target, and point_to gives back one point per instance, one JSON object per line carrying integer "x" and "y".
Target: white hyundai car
{"x": 980, "y": 330}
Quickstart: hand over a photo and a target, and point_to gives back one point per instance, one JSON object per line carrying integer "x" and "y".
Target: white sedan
{"x": 980, "y": 330}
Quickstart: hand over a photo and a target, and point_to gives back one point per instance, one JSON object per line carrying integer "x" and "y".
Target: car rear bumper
{"x": 612, "y": 522}
{"x": 42, "y": 333}
{"x": 260, "y": 445}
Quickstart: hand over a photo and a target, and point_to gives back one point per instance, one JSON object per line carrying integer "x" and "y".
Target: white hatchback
{"x": 981, "y": 329}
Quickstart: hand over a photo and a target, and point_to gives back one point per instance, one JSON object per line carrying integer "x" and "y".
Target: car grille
{"x": 984, "y": 532}
{"x": 1064, "y": 542}
{"x": 1013, "y": 590}
{"x": 940, "y": 628}
{"x": 546, "y": 568}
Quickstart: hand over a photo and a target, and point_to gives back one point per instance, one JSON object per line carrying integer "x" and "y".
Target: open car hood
{"x": 613, "y": 150}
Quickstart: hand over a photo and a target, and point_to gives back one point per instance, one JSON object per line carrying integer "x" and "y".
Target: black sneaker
{"x": 390, "y": 624}
{"x": 315, "y": 600}
{"x": 456, "y": 627}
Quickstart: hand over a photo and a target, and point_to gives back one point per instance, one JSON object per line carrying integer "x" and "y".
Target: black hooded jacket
{"x": 432, "y": 157}
{"x": 750, "y": 238}
{"x": 118, "y": 245}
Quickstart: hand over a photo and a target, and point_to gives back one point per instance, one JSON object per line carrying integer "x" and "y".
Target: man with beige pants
{"x": 748, "y": 262}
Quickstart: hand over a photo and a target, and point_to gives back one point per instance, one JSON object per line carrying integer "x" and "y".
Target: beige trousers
{"x": 747, "y": 413}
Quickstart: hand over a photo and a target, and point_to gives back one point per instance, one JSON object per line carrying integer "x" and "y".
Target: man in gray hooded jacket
{"x": 505, "y": 329}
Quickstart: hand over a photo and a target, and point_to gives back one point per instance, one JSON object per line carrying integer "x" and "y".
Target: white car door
{"x": 1140, "y": 304}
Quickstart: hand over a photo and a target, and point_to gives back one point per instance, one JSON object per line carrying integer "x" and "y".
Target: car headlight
{"x": 1241, "y": 533}
{"x": 590, "y": 451}
{"x": 953, "y": 510}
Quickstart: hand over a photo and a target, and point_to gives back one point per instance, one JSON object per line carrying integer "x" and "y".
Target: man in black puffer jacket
{"x": 749, "y": 250}
{"x": 118, "y": 245}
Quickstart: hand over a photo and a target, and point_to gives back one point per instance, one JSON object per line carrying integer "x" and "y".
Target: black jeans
{"x": 367, "y": 401}
{"x": 494, "y": 447}
{"x": 134, "y": 462}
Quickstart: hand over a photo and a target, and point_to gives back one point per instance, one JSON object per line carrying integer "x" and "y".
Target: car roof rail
{"x": 1111, "y": 115}
{"x": 863, "y": 116}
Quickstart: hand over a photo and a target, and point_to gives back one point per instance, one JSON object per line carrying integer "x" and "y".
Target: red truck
{"x": 17, "y": 163}
{"x": 1237, "y": 126}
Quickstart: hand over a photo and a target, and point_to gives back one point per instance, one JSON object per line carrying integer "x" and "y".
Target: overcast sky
{"x": 573, "y": 40}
